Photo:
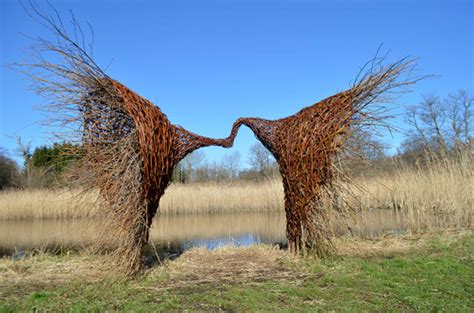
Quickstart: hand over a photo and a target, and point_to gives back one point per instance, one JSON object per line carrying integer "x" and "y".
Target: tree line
{"x": 440, "y": 127}
{"x": 47, "y": 166}
{"x": 42, "y": 168}
{"x": 195, "y": 168}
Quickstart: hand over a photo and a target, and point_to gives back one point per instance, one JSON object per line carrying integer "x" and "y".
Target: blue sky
{"x": 206, "y": 63}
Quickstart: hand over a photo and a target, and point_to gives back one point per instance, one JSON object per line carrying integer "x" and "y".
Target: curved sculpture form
{"x": 129, "y": 148}
{"x": 306, "y": 143}
{"x": 304, "y": 146}
{"x": 162, "y": 145}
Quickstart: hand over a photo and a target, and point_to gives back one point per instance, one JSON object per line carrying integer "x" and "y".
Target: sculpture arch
{"x": 129, "y": 148}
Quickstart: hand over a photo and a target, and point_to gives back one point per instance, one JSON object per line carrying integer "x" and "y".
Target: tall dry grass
{"x": 44, "y": 203}
{"x": 230, "y": 197}
{"x": 438, "y": 195}
{"x": 178, "y": 199}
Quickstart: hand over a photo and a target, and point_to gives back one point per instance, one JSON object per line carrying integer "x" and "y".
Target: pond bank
{"x": 407, "y": 273}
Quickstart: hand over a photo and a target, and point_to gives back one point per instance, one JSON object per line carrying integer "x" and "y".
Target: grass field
{"x": 432, "y": 272}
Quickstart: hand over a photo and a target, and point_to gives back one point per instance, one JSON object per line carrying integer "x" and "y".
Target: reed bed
{"x": 178, "y": 199}
{"x": 45, "y": 203}
{"x": 230, "y": 197}
{"x": 435, "y": 196}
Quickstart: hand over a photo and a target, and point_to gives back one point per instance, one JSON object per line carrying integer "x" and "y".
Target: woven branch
{"x": 154, "y": 149}
{"x": 306, "y": 143}
{"x": 129, "y": 147}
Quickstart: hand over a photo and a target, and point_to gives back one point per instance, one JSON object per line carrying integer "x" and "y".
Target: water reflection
{"x": 239, "y": 241}
{"x": 173, "y": 234}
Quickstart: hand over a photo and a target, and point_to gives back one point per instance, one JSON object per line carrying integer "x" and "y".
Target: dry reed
{"x": 43, "y": 204}
{"x": 439, "y": 195}
{"x": 179, "y": 199}
{"x": 232, "y": 197}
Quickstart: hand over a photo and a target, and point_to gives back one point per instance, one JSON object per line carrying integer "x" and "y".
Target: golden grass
{"x": 244, "y": 265}
{"x": 230, "y": 197}
{"x": 441, "y": 195}
{"x": 196, "y": 267}
{"x": 390, "y": 244}
{"x": 179, "y": 198}
{"x": 248, "y": 265}
{"x": 40, "y": 271}
{"x": 43, "y": 203}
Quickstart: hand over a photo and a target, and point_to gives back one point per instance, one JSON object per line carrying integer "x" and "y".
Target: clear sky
{"x": 206, "y": 63}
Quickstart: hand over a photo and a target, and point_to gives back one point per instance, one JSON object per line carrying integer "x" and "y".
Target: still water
{"x": 175, "y": 232}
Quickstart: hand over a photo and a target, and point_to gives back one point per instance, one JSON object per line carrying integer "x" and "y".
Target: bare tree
{"x": 363, "y": 144}
{"x": 231, "y": 164}
{"x": 262, "y": 160}
{"x": 191, "y": 162}
{"x": 440, "y": 125}
{"x": 185, "y": 170}
{"x": 202, "y": 173}
{"x": 459, "y": 108}
{"x": 217, "y": 172}
{"x": 25, "y": 152}
{"x": 428, "y": 119}
{"x": 433, "y": 115}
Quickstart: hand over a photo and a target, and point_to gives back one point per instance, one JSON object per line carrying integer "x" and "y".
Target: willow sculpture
{"x": 129, "y": 148}
{"x": 306, "y": 143}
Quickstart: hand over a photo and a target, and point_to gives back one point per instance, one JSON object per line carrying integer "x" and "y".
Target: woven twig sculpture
{"x": 129, "y": 148}
{"x": 306, "y": 143}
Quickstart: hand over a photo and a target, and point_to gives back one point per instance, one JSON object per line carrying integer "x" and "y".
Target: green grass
{"x": 437, "y": 277}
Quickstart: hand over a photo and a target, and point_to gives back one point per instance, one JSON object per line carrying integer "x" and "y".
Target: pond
{"x": 172, "y": 233}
